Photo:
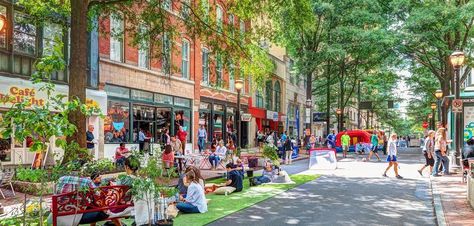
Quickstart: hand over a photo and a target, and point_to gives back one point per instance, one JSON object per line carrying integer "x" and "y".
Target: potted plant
{"x": 270, "y": 152}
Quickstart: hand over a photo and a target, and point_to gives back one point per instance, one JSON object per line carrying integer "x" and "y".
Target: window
{"x": 205, "y": 8}
{"x": 167, "y": 5}
{"x": 205, "y": 66}
{"x": 242, "y": 29}
{"x": 230, "y": 19}
{"x": 116, "y": 37}
{"x": 117, "y": 122}
{"x": 277, "y": 96}
{"x": 185, "y": 8}
{"x": 219, "y": 16}
{"x": 269, "y": 95}
{"x": 290, "y": 71}
{"x": 51, "y": 34}
{"x": 24, "y": 34}
{"x": 231, "y": 78}
{"x": 259, "y": 99}
{"x": 143, "y": 49}
{"x": 166, "y": 61}
{"x": 219, "y": 68}
{"x": 3, "y": 35}
{"x": 185, "y": 59}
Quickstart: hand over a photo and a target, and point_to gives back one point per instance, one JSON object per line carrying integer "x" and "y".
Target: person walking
{"x": 182, "y": 135}
{"x": 428, "y": 152}
{"x": 385, "y": 142}
{"x": 331, "y": 140}
{"x": 287, "y": 146}
{"x": 440, "y": 153}
{"x": 392, "y": 156}
{"x": 374, "y": 140}
{"x": 345, "y": 140}
{"x": 202, "y": 137}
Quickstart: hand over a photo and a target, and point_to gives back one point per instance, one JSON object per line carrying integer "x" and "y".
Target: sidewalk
{"x": 450, "y": 201}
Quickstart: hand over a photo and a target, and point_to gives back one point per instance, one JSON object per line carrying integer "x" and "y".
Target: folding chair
{"x": 7, "y": 180}
{"x": 204, "y": 161}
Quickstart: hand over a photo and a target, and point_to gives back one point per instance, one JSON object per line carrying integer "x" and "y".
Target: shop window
{"x": 269, "y": 95}
{"x": 3, "y": 34}
{"x": 182, "y": 102}
{"x": 5, "y": 144}
{"x": 185, "y": 65}
{"x": 24, "y": 34}
{"x": 277, "y": 96}
{"x": 217, "y": 130}
{"x": 163, "y": 99}
{"x": 52, "y": 33}
{"x": 117, "y": 91}
{"x": 183, "y": 118}
{"x": 204, "y": 119}
{"x": 205, "y": 66}
{"x": 167, "y": 5}
{"x": 242, "y": 29}
{"x": 117, "y": 122}
{"x": 116, "y": 37}
{"x": 142, "y": 95}
{"x": 162, "y": 122}
{"x": 143, "y": 118}
{"x": 185, "y": 8}
{"x": 218, "y": 107}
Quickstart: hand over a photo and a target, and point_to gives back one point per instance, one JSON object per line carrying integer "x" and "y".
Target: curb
{"x": 437, "y": 206}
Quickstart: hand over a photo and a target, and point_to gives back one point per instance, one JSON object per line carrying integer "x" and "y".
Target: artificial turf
{"x": 220, "y": 205}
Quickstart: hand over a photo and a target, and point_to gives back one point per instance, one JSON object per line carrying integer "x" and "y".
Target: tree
{"x": 150, "y": 20}
{"x": 431, "y": 31}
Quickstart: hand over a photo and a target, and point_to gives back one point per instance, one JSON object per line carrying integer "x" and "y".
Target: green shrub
{"x": 32, "y": 175}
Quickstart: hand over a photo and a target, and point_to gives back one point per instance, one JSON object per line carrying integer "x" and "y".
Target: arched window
{"x": 277, "y": 96}
{"x": 259, "y": 99}
{"x": 219, "y": 17}
{"x": 269, "y": 95}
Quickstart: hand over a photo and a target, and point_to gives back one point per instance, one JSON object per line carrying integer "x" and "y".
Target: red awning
{"x": 361, "y": 135}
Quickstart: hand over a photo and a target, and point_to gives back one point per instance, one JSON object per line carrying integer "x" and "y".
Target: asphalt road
{"x": 354, "y": 194}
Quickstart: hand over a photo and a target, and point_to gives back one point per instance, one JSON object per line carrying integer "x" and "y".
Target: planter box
{"x": 33, "y": 188}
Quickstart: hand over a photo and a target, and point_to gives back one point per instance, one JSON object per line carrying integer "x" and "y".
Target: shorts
{"x": 429, "y": 161}
{"x": 389, "y": 158}
{"x": 345, "y": 147}
{"x": 375, "y": 148}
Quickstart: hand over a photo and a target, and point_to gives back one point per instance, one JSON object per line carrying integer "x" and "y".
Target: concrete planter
{"x": 33, "y": 188}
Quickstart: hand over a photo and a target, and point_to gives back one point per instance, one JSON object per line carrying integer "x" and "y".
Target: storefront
{"x": 131, "y": 110}
{"x": 219, "y": 119}
{"x": 19, "y": 153}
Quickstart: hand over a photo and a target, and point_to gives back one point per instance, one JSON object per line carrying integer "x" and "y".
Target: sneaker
{"x": 435, "y": 175}
{"x": 420, "y": 172}
{"x": 380, "y": 160}
{"x": 399, "y": 177}
{"x": 385, "y": 175}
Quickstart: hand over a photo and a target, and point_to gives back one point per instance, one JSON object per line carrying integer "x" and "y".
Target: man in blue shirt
{"x": 234, "y": 177}
{"x": 202, "y": 137}
{"x": 283, "y": 137}
{"x": 90, "y": 140}
{"x": 331, "y": 139}
{"x": 141, "y": 139}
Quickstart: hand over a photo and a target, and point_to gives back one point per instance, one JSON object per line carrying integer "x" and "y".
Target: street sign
{"x": 319, "y": 117}
{"x": 425, "y": 125}
{"x": 246, "y": 117}
{"x": 457, "y": 106}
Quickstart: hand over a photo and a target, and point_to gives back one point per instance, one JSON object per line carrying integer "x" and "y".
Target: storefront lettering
{"x": 18, "y": 95}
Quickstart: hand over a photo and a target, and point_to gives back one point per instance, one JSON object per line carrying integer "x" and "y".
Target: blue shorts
{"x": 389, "y": 158}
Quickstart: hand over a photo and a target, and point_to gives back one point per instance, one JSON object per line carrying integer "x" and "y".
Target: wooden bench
{"x": 100, "y": 199}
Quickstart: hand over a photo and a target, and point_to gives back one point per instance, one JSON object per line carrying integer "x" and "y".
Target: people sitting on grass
{"x": 168, "y": 157}
{"x": 240, "y": 167}
{"x": 269, "y": 174}
{"x": 195, "y": 201}
{"x": 183, "y": 183}
{"x": 217, "y": 155}
{"x": 234, "y": 179}
{"x": 120, "y": 154}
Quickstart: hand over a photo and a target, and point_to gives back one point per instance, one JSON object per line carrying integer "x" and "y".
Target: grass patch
{"x": 221, "y": 206}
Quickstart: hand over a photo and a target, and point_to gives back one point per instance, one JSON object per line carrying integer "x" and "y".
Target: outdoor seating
{"x": 100, "y": 199}
{"x": 7, "y": 181}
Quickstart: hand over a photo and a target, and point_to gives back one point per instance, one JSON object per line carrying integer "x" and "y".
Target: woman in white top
{"x": 392, "y": 156}
{"x": 195, "y": 201}
{"x": 217, "y": 155}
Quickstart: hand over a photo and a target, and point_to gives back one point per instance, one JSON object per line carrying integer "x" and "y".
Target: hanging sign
{"x": 457, "y": 106}
{"x": 245, "y": 117}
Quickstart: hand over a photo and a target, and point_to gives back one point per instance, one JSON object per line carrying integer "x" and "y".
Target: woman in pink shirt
{"x": 168, "y": 157}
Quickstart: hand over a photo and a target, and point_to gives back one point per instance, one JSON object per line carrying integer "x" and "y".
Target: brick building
{"x": 156, "y": 94}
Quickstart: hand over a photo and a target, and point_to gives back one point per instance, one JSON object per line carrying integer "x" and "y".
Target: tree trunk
{"x": 309, "y": 96}
{"x": 78, "y": 66}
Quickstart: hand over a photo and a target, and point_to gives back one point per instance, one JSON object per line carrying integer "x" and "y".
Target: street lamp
{"x": 457, "y": 61}
{"x": 439, "y": 94}
{"x": 338, "y": 113}
{"x": 433, "y": 107}
{"x": 3, "y": 22}
{"x": 239, "y": 84}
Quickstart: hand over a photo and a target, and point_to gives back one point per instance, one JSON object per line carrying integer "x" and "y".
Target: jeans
{"x": 214, "y": 159}
{"x": 201, "y": 143}
{"x": 288, "y": 155}
{"x": 186, "y": 207}
{"x": 120, "y": 162}
{"x": 440, "y": 159}
{"x": 261, "y": 180}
